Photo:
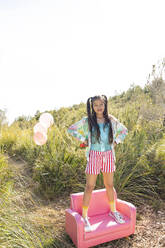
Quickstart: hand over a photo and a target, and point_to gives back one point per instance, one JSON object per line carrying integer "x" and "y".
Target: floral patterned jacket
{"x": 81, "y": 131}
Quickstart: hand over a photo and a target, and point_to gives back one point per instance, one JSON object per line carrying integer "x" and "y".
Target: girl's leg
{"x": 108, "y": 182}
{"x": 90, "y": 184}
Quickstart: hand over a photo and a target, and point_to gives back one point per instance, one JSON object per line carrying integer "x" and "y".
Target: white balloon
{"x": 39, "y": 128}
{"x": 40, "y": 138}
{"x": 46, "y": 119}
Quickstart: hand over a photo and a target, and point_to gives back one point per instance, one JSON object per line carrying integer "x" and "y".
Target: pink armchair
{"x": 104, "y": 227}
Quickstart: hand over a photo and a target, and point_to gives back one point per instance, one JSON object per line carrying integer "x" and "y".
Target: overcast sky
{"x": 56, "y": 53}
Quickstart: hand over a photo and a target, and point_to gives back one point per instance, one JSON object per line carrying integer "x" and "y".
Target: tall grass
{"x": 5, "y": 175}
{"x": 59, "y": 165}
{"x": 16, "y": 229}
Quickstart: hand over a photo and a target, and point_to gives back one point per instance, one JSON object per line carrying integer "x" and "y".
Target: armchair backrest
{"x": 98, "y": 203}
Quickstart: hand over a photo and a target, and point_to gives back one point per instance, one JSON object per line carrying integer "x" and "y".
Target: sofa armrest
{"x": 129, "y": 210}
{"x": 126, "y": 208}
{"x": 74, "y": 225}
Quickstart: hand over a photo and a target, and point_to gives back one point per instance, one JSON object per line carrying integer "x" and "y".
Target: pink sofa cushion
{"x": 98, "y": 203}
{"x": 105, "y": 224}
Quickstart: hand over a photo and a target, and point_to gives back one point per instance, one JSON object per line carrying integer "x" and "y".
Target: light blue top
{"x": 80, "y": 130}
{"x": 104, "y": 143}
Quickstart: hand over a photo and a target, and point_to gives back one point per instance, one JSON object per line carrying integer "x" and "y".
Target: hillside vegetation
{"x": 35, "y": 193}
{"x": 59, "y": 165}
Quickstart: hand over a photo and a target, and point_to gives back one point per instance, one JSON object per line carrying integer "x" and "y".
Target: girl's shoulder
{"x": 85, "y": 118}
{"x": 112, "y": 117}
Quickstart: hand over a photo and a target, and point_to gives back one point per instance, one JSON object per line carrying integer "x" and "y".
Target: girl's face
{"x": 98, "y": 106}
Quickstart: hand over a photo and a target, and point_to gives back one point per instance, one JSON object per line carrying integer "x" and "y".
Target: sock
{"x": 84, "y": 211}
{"x": 112, "y": 206}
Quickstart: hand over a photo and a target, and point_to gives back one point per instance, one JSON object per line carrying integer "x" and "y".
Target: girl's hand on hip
{"x": 86, "y": 142}
{"x": 115, "y": 144}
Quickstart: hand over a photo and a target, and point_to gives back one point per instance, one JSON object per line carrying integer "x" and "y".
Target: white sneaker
{"x": 117, "y": 217}
{"x": 88, "y": 227}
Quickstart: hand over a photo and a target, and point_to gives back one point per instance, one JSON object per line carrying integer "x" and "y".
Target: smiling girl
{"x": 100, "y": 132}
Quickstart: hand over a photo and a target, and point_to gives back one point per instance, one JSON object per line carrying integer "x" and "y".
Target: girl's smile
{"x": 98, "y": 107}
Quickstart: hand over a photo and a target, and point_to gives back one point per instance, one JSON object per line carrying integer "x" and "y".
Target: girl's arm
{"x": 120, "y": 131}
{"x": 77, "y": 130}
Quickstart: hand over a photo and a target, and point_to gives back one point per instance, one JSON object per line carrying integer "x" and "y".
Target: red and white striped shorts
{"x": 98, "y": 160}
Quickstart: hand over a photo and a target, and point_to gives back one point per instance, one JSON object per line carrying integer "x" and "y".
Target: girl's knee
{"x": 109, "y": 185}
{"x": 89, "y": 188}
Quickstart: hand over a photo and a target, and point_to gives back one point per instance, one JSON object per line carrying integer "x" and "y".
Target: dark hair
{"x": 92, "y": 119}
